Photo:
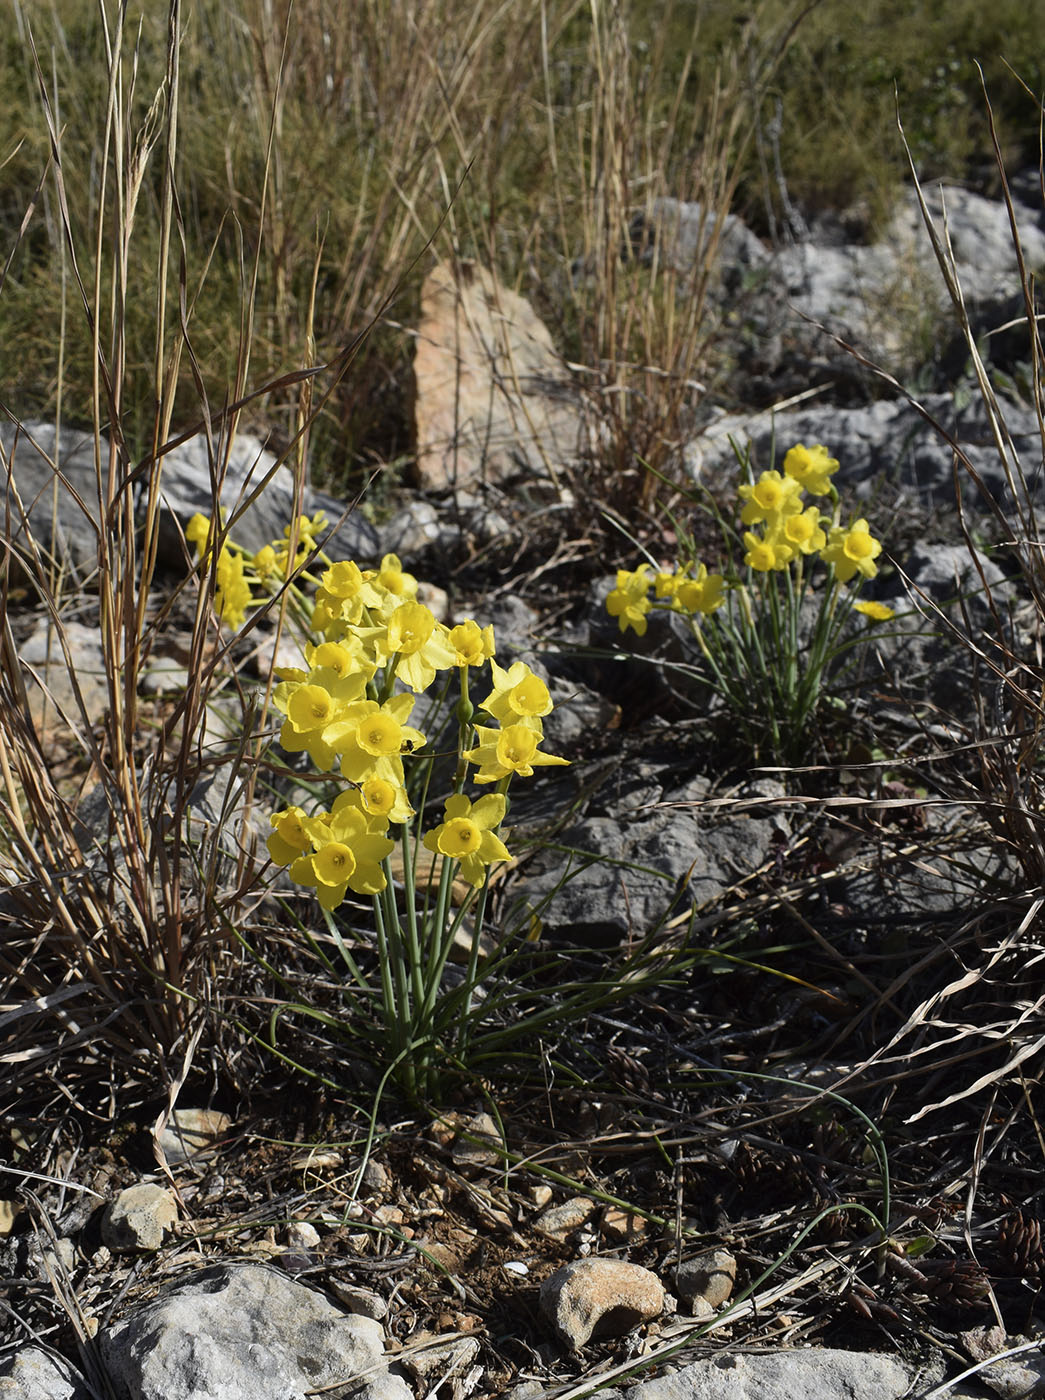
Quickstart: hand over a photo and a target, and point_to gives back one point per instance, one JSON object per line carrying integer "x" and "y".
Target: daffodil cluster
{"x": 783, "y": 528}
{"x": 242, "y": 579}
{"x": 759, "y": 649}
{"x": 349, "y": 708}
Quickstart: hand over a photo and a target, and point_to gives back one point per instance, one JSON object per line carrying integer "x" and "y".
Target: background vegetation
{"x": 332, "y": 147}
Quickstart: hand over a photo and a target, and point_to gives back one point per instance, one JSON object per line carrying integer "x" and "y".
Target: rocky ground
{"x": 692, "y": 1179}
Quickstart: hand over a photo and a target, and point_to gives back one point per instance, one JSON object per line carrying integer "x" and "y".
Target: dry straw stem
{"x": 645, "y": 325}
{"x": 126, "y": 912}
{"x": 1011, "y": 718}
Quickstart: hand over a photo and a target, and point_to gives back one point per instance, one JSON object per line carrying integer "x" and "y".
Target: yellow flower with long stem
{"x": 766, "y": 552}
{"x": 877, "y": 612}
{"x": 811, "y": 467}
{"x": 370, "y": 739}
{"x": 518, "y": 695}
{"x": 313, "y": 703}
{"x": 629, "y": 602}
{"x": 469, "y": 834}
{"x": 471, "y": 644}
{"x": 289, "y": 839}
{"x": 769, "y": 498}
{"x": 666, "y": 584}
{"x": 803, "y": 531}
{"x": 232, "y": 595}
{"x": 393, "y": 578}
{"x": 701, "y": 593}
{"x": 344, "y": 594}
{"x": 379, "y": 797}
{"x": 419, "y": 644}
{"x": 503, "y": 753}
{"x": 852, "y": 551}
{"x": 347, "y": 855}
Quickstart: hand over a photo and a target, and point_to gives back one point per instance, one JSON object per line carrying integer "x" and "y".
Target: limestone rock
{"x": 605, "y": 1297}
{"x": 187, "y": 475}
{"x": 820, "y": 1374}
{"x": 469, "y": 1151}
{"x": 239, "y": 1333}
{"x": 191, "y": 1132}
{"x": 138, "y": 1218}
{"x": 54, "y": 691}
{"x": 62, "y": 519}
{"x": 364, "y": 1302}
{"x": 620, "y": 1226}
{"x": 35, "y": 1374}
{"x": 710, "y": 1276}
{"x": 559, "y": 1222}
{"x": 32, "y": 461}
{"x": 494, "y": 398}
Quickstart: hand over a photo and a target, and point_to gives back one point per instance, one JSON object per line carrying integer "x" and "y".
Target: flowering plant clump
{"x": 242, "y": 579}
{"x": 370, "y": 652}
{"x": 772, "y": 635}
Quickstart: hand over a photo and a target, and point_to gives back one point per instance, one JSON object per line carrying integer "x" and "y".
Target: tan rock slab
{"x": 559, "y": 1222}
{"x": 494, "y": 399}
{"x": 599, "y": 1297}
{"x": 191, "y": 1132}
{"x": 139, "y": 1218}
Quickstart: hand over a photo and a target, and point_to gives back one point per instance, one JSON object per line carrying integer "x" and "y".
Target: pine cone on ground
{"x": 1019, "y": 1247}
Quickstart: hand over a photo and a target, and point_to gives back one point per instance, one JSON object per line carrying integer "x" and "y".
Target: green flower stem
{"x": 415, "y": 954}
{"x": 389, "y": 1003}
{"x": 471, "y": 979}
{"x": 385, "y": 693}
{"x": 465, "y": 732}
{"x": 441, "y": 937}
{"x": 400, "y": 1006}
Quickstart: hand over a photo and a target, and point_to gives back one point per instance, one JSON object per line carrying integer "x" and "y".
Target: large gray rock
{"x": 887, "y": 296}
{"x": 36, "y": 472}
{"x": 188, "y": 472}
{"x": 681, "y": 234}
{"x": 653, "y": 852}
{"x": 238, "y": 1333}
{"x": 783, "y": 1375}
{"x": 65, "y": 673}
{"x": 35, "y": 1374}
{"x": 885, "y": 441}
{"x": 51, "y": 486}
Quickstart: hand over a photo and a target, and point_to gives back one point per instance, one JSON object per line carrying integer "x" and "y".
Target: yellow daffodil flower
{"x": 420, "y": 643}
{"x": 629, "y": 602}
{"x": 468, "y": 834}
{"x": 290, "y": 838}
{"x": 198, "y": 532}
{"x": 771, "y": 497}
{"x": 503, "y": 752}
{"x": 471, "y": 644}
{"x": 401, "y": 586}
{"x": 518, "y": 696}
{"x": 371, "y": 738}
{"x": 701, "y": 593}
{"x": 803, "y": 531}
{"x": 811, "y": 467}
{"x": 232, "y": 595}
{"x": 344, "y": 659}
{"x": 766, "y": 553}
{"x": 852, "y": 551}
{"x": 877, "y": 612}
{"x": 344, "y": 592}
{"x": 381, "y": 798}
